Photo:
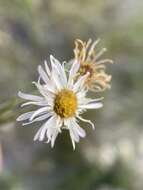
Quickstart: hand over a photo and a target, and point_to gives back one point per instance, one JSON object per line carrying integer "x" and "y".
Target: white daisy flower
{"x": 61, "y": 102}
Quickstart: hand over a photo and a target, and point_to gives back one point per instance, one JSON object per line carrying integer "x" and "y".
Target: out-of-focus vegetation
{"x": 109, "y": 158}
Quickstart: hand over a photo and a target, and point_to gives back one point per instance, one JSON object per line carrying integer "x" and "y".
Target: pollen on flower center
{"x": 65, "y": 103}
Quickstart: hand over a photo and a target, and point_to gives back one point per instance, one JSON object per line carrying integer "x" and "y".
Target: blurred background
{"x": 109, "y": 158}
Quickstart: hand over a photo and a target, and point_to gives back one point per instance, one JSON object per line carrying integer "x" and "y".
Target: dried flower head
{"x": 91, "y": 63}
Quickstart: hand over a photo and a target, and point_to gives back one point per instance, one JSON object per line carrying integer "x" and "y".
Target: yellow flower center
{"x": 65, "y": 103}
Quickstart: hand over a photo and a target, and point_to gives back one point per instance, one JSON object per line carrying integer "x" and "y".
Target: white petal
{"x": 95, "y": 105}
{"x": 40, "y": 135}
{"x": 56, "y": 78}
{"x": 43, "y": 74}
{"x": 51, "y": 87}
{"x": 87, "y": 121}
{"x": 90, "y": 100}
{"x": 50, "y": 130}
{"x": 81, "y": 132}
{"x": 29, "y": 96}
{"x": 58, "y": 73}
{"x": 82, "y": 100}
{"x": 72, "y": 139}
{"x": 44, "y": 90}
{"x": 73, "y": 142}
{"x": 37, "y": 135}
{"x": 47, "y": 68}
{"x": 73, "y": 133}
{"x": 57, "y": 81}
{"x": 43, "y": 133}
{"x": 54, "y": 137}
{"x": 39, "y": 112}
{"x": 53, "y": 130}
{"x": 54, "y": 125}
{"x": 77, "y": 128}
{"x": 81, "y": 94}
{"x": 25, "y": 116}
{"x": 43, "y": 117}
{"x": 80, "y": 83}
{"x": 40, "y": 118}
{"x": 73, "y": 71}
{"x": 59, "y": 69}
{"x": 44, "y": 103}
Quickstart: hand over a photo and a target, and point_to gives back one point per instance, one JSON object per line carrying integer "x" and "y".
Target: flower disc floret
{"x": 65, "y": 103}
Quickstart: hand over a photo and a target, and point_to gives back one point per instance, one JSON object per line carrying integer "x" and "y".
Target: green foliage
{"x": 7, "y": 112}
